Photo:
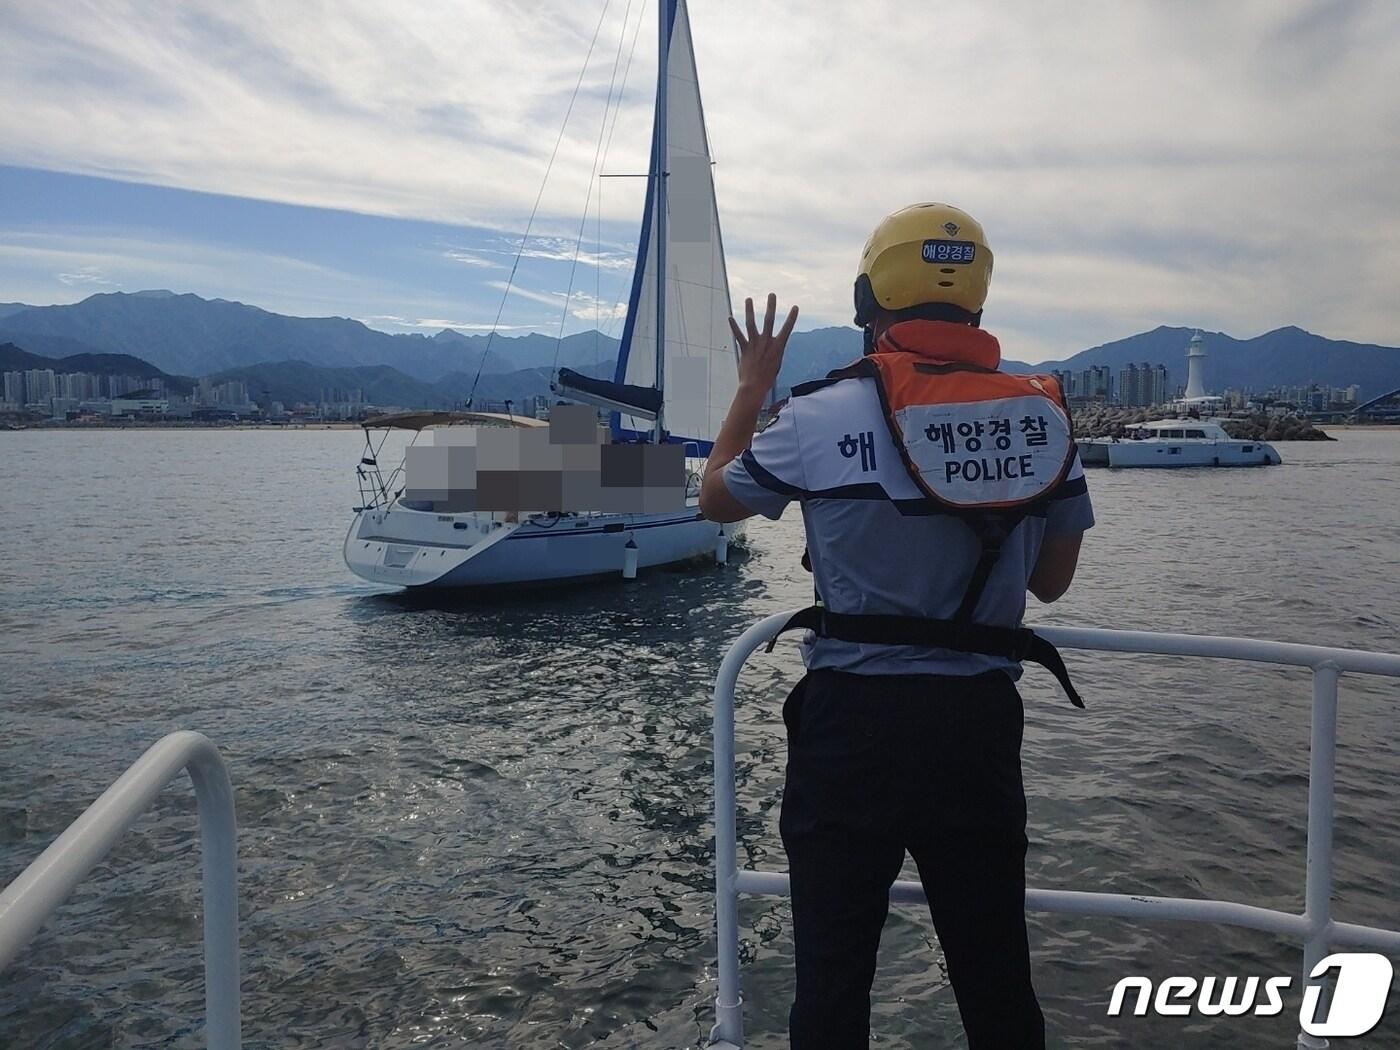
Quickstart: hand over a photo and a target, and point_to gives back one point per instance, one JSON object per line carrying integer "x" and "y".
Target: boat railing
{"x": 1315, "y": 927}
{"x": 28, "y": 901}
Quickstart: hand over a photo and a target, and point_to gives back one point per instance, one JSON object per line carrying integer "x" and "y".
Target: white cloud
{"x": 1227, "y": 164}
{"x": 599, "y": 313}
{"x": 85, "y": 275}
{"x": 551, "y": 249}
{"x": 468, "y": 257}
{"x": 553, "y": 299}
{"x": 436, "y": 324}
{"x": 582, "y": 306}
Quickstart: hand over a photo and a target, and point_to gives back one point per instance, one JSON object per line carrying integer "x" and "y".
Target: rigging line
{"x": 598, "y": 263}
{"x": 617, "y": 112}
{"x": 520, "y": 251}
{"x": 598, "y": 215}
{"x": 641, "y": 17}
{"x": 593, "y": 177}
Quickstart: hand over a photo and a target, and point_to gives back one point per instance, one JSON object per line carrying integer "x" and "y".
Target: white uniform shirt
{"x": 875, "y": 545}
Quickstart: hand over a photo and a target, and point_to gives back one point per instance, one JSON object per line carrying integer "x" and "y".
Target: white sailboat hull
{"x": 412, "y": 548}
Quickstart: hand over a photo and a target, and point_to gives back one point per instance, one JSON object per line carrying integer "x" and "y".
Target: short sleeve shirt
{"x": 874, "y": 545}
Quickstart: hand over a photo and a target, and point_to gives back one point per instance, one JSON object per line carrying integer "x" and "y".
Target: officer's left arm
{"x": 1054, "y": 568}
{"x": 1069, "y": 515}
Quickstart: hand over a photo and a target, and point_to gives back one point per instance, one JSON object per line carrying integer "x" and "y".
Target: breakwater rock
{"x": 1260, "y": 427}
{"x": 1102, "y": 421}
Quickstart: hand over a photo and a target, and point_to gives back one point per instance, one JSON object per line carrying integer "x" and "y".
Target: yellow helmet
{"x": 924, "y": 254}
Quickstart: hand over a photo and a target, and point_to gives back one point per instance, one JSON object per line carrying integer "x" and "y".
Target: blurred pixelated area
{"x": 567, "y": 467}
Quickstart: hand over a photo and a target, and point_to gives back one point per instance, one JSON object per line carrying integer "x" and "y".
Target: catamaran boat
{"x": 676, "y": 375}
{"x": 1177, "y": 443}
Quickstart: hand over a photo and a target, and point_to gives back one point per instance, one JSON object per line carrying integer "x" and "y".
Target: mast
{"x": 659, "y": 173}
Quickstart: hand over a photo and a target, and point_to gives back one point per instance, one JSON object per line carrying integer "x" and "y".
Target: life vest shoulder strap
{"x": 991, "y": 528}
{"x": 813, "y": 385}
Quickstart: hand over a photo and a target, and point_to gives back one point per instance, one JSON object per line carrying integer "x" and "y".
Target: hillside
{"x": 292, "y": 382}
{"x": 15, "y": 358}
{"x": 189, "y": 335}
{"x": 295, "y": 382}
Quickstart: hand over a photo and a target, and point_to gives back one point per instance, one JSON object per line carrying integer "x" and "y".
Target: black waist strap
{"x": 1013, "y": 643}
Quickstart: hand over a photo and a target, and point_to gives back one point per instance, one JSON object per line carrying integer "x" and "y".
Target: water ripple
{"x": 485, "y": 819}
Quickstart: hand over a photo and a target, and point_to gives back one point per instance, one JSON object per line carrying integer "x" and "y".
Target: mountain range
{"x": 294, "y": 358}
{"x": 188, "y": 335}
{"x": 1286, "y": 356}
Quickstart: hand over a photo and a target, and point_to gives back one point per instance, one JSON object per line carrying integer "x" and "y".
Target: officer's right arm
{"x": 768, "y": 475}
{"x": 760, "y": 360}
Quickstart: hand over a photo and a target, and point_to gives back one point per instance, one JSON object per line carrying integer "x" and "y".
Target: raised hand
{"x": 761, "y": 352}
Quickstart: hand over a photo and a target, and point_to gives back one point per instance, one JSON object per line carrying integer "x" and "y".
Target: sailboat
{"x": 676, "y": 374}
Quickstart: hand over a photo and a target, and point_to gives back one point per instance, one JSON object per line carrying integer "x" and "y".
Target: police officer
{"x": 896, "y": 747}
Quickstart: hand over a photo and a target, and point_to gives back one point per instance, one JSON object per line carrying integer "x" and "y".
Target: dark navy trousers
{"x": 883, "y": 764}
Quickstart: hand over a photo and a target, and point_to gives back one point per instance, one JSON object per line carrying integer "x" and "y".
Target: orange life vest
{"x": 971, "y": 437}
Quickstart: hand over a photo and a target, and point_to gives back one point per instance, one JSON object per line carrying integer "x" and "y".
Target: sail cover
{"x": 645, "y": 401}
{"x": 701, "y": 372}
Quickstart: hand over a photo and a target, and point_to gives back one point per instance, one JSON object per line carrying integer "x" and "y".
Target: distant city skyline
{"x": 87, "y": 395}
{"x": 84, "y": 395}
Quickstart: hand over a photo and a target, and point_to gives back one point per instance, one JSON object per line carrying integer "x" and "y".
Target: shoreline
{"x": 348, "y": 425}
{"x": 182, "y": 426}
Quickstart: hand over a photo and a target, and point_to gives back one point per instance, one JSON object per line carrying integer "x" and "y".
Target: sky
{"x": 1230, "y": 166}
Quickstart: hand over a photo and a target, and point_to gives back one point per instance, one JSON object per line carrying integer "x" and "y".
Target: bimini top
{"x": 423, "y": 420}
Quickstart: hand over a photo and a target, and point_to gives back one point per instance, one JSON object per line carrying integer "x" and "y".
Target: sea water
{"x": 486, "y": 819}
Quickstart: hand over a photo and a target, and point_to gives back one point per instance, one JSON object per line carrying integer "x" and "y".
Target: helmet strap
{"x": 866, "y": 303}
{"x": 867, "y": 307}
{"x": 938, "y": 312}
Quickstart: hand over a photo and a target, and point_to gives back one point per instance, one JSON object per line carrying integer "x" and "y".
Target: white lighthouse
{"x": 1195, "y": 369}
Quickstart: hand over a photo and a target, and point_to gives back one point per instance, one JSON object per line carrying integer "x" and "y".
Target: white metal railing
{"x": 1315, "y": 927}
{"x": 28, "y": 901}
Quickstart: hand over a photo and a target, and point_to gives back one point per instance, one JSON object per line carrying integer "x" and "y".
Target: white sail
{"x": 700, "y": 371}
